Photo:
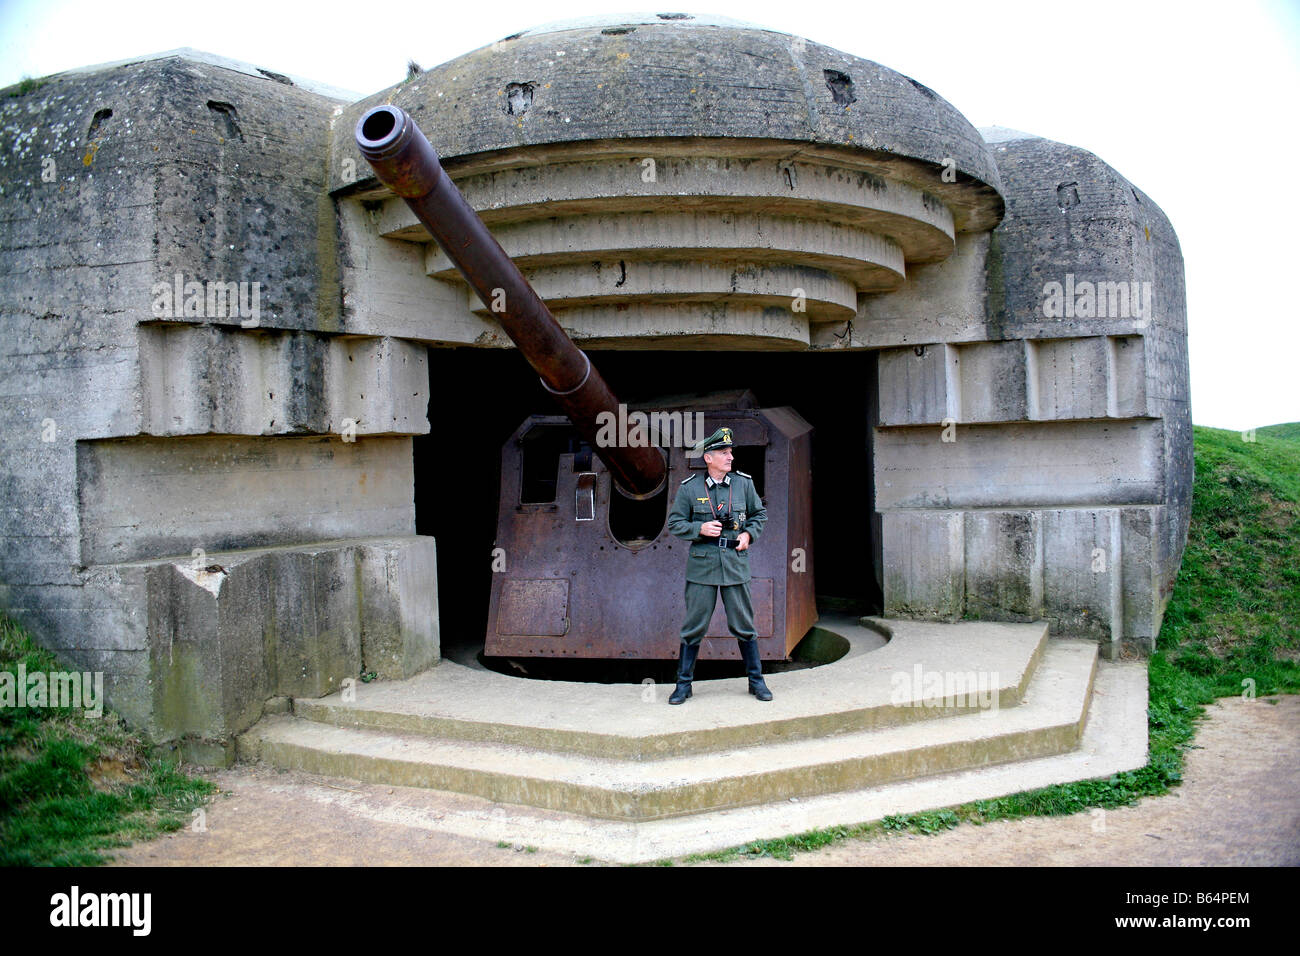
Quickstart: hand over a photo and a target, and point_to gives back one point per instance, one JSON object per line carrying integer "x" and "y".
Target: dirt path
{"x": 1239, "y": 804}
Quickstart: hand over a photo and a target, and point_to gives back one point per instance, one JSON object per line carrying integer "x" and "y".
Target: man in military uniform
{"x": 721, "y": 514}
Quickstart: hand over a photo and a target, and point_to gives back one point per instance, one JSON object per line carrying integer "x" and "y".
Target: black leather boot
{"x": 685, "y": 672}
{"x": 754, "y": 669}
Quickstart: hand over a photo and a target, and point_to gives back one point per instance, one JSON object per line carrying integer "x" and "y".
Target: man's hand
{"x": 711, "y": 529}
{"x": 742, "y": 543}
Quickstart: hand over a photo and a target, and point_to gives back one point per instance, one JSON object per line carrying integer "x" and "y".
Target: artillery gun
{"x": 586, "y": 566}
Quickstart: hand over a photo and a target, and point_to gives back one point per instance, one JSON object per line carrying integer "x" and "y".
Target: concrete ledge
{"x": 910, "y": 217}
{"x": 291, "y": 621}
{"x": 1020, "y": 465}
{"x": 618, "y": 281}
{"x": 141, "y": 498}
{"x": 199, "y": 379}
{"x": 1066, "y": 379}
{"x": 737, "y": 326}
{"x": 866, "y": 257}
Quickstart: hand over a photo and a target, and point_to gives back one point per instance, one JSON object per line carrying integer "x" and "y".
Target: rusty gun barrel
{"x": 406, "y": 163}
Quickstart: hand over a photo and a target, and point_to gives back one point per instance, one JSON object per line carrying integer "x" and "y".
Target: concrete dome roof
{"x": 607, "y": 20}
{"x": 637, "y": 77}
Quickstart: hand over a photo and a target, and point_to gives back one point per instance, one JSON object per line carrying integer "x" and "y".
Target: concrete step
{"x": 1114, "y": 740}
{"x": 868, "y": 689}
{"x": 1049, "y": 720}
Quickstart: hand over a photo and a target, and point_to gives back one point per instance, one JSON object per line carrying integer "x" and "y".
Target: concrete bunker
{"x": 814, "y": 227}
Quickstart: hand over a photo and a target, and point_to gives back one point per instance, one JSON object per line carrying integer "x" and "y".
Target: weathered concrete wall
{"x": 124, "y": 403}
{"x": 1078, "y": 421}
{"x": 1070, "y": 213}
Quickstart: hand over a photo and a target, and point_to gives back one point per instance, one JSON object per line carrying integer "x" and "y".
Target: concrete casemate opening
{"x": 479, "y": 397}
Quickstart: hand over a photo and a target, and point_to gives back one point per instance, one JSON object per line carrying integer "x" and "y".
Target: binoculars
{"x": 729, "y": 521}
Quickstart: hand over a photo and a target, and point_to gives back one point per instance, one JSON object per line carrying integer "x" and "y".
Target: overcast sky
{"x": 1195, "y": 103}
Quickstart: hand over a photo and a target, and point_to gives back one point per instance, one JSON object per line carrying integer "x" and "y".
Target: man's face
{"x": 719, "y": 459}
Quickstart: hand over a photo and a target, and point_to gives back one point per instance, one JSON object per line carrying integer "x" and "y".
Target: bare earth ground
{"x": 1239, "y": 804}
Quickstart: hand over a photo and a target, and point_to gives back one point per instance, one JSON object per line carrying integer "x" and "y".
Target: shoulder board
{"x": 687, "y": 478}
{"x": 743, "y": 475}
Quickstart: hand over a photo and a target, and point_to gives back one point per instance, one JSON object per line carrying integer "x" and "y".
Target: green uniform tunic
{"x": 710, "y": 568}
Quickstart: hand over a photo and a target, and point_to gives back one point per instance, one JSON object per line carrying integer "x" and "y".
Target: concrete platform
{"x": 1114, "y": 740}
{"x": 870, "y": 687}
{"x": 869, "y": 723}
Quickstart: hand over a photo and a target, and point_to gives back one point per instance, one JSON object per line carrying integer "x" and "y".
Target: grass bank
{"x": 73, "y": 786}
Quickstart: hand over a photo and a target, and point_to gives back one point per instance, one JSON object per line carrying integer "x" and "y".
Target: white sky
{"x": 1195, "y": 103}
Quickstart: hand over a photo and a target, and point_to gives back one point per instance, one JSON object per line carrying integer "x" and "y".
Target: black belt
{"x": 728, "y": 543}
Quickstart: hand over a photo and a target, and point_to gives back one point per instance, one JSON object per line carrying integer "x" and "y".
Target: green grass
{"x": 25, "y": 86}
{"x": 1232, "y": 627}
{"x": 1236, "y": 611}
{"x": 1287, "y": 432}
{"x": 72, "y": 786}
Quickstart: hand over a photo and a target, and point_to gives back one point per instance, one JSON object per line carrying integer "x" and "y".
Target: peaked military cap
{"x": 719, "y": 439}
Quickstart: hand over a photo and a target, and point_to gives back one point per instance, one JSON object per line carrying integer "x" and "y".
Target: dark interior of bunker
{"x": 479, "y": 397}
